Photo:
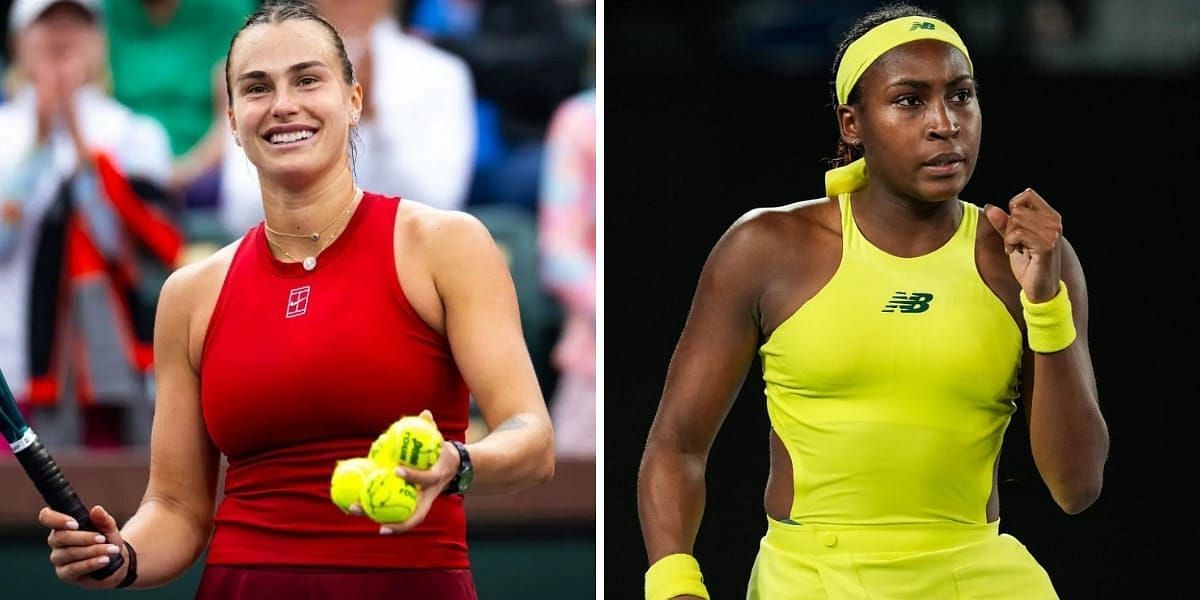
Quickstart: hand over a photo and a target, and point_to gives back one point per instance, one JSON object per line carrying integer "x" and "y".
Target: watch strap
{"x": 464, "y": 465}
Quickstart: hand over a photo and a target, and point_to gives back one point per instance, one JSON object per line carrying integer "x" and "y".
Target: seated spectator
{"x": 416, "y": 132}
{"x": 567, "y": 239}
{"x": 79, "y": 176}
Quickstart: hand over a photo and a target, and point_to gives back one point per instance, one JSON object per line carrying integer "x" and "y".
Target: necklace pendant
{"x": 314, "y": 237}
{"x": 310, "y": 263}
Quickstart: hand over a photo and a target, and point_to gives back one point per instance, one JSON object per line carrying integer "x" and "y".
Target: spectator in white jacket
{"x": 66, "y": 337}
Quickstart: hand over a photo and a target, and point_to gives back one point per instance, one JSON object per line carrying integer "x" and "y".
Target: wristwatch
{"x": 462, "y": 479}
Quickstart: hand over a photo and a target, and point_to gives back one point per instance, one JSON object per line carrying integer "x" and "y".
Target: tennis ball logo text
{"x": 410, "y": 449}
{"x": 921, "y": 25}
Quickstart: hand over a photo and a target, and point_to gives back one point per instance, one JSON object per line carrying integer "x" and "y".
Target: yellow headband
{"x": 859, "y": 56}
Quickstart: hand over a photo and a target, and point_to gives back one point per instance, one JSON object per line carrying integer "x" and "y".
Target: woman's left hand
{"x": 1031, "y": 231}
{"x": 430, "y": 482}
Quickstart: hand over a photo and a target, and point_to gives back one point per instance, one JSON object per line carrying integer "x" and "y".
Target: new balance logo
{"x": 916, "y": 302}
{"x": 921, "y": 25}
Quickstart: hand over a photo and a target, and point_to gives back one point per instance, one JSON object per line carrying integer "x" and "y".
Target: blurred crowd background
{"x": 484, "y": 106}
{"x": 716, "y": 107}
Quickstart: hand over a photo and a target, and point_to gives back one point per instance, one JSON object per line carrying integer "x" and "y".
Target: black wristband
{"x": 131, "y": 574}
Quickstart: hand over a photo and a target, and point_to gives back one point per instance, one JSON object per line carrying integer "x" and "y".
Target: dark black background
{"x": 693, "y": 139}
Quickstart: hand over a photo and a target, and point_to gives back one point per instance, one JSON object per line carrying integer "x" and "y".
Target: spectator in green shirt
{"x": 156, "y": 50}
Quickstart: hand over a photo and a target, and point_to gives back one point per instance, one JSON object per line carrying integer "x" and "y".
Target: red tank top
{"x": 301, "y": 369}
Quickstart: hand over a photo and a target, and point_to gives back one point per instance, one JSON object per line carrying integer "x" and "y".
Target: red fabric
{"x": 285, "y": 397}
{"x": 241, "y": 583}
{"x": 82, "y": 259}
{"x": 42, "y": 391}
{"x": 144, "y": 355}
{"x": 159, "y": 234}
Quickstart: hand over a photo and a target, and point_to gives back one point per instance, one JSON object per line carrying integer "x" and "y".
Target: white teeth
{"x": 293, "y": 136}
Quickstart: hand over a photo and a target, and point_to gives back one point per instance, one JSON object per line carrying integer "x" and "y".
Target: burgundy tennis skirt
{"x": 262, "y": 583}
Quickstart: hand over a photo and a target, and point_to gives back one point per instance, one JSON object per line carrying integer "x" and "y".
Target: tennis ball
{"x": 410, "y": 442}
{"x": 349, "y": 480}
{"x": 388, "y": 498}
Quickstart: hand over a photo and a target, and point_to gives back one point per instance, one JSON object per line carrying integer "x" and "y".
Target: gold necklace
{"x": 310, "y": 262}
{"x": 316, "y": 235}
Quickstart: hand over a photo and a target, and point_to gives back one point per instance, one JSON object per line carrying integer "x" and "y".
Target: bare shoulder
{"x": 770, "y": 230}
{"x": 437, "y": 229}
{"x": 188, "y": 286}
{"x": 807, "y": 216}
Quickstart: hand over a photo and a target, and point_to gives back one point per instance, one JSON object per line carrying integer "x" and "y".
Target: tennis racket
{"x": 43, "y": 471}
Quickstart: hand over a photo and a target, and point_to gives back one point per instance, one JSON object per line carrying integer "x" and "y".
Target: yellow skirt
{"x": 895, "y": 562}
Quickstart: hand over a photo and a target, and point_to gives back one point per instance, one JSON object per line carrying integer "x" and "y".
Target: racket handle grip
{"x": 60, "y": 496}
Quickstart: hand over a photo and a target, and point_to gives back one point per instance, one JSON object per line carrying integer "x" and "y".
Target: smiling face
{"x": 918, "y": 120}
{"x": 291, "y": 106}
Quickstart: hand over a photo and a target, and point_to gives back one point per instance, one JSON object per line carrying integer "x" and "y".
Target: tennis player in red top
{"x": 296, "y": 345}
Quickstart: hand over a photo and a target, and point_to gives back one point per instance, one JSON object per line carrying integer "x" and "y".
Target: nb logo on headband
{"x": 921, "y": 25}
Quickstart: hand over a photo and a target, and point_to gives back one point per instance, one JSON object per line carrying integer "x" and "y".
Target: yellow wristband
{"x": 675, "y": 575}
{"x": 1049, "y": 324}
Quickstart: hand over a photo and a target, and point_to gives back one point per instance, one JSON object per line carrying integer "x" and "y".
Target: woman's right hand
{"x": 75, "y": 553}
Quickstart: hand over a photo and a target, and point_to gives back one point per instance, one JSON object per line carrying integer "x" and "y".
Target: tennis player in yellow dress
{"x": 898, "y": 328}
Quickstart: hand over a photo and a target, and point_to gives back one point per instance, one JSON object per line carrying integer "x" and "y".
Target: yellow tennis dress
{"x": 891, "y": 390}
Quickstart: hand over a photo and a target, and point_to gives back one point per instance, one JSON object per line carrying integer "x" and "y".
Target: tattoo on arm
{"x": 513, "y": 422}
